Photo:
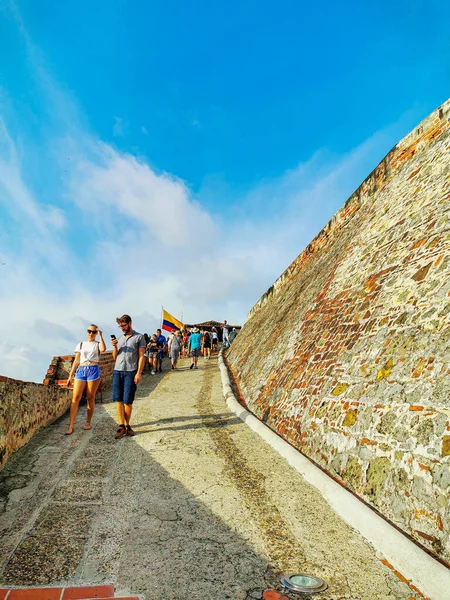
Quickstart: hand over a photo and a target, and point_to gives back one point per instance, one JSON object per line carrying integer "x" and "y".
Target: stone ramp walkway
{"x": 195, "y": 506}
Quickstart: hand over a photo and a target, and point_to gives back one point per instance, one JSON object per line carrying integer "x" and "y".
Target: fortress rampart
{"x": 347, "y": 355}
{"x": 26, "y": 407}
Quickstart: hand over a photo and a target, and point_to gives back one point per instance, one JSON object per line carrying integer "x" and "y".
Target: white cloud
{"x": 153, "y": 244}
{"x": 158, "y": 203}
{"x": 55, "y": 217}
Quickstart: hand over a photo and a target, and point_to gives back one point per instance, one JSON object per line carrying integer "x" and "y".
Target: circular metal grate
{"x": 303, "y": 583}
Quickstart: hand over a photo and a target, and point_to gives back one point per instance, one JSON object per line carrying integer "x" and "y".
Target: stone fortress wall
{"x": 27, "y": 407}
{"x": 347, "y": 355}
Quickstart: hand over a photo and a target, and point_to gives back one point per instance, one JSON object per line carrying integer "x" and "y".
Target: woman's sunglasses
{"x": 92, "y": 331}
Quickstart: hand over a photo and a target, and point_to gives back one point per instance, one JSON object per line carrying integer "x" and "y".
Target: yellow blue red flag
{"x": 169, "y": 323}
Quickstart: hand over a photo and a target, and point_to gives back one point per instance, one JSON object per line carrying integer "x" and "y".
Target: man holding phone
{"x": 128, "y": 352}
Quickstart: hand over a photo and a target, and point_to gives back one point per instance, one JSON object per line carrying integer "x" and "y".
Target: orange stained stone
{"x": 401, "y": 577}
{"x": 425, "y": 467}
{"x": 419, "y": 243}
{"x": 369, "y": 442}
{"x": 438, "y": 261}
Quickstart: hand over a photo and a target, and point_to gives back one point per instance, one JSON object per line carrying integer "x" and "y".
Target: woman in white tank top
{"x": 86, "y": 370}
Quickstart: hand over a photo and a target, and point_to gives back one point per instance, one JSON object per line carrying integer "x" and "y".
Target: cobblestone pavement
{"x": 195, "y": 506}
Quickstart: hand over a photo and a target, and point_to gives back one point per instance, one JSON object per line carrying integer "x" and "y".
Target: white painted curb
{"x": 428, "y": 575}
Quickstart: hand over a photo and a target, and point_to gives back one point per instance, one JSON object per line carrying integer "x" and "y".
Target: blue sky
{"x": 183, "y": 153}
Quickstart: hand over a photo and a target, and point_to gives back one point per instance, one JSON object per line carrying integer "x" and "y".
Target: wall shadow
{"x": 87, "y": 508}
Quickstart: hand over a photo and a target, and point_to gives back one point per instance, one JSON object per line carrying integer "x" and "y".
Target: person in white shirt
{"x": 86, "y": 371}
{"x": 225, "y": 334}
{"x": 214, "y": 339}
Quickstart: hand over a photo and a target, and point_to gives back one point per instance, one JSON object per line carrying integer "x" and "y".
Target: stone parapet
{"x": 415, "y": 142}
{"x": 59, "y": 369}
{"x": 347, "y": 355}
{"x": 24, "y": 409}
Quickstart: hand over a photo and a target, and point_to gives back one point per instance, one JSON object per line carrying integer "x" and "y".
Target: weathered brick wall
{"x": 24, "y": 409}
{"x": 347, "y": 356}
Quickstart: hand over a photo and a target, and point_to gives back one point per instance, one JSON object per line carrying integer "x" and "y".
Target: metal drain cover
{"x": 303, "y": 583}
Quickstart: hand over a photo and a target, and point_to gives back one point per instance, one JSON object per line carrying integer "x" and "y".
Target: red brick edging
{"x": 91, "y": 592}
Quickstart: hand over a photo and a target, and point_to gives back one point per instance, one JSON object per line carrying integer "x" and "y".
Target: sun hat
{"x": 195, "y": 330}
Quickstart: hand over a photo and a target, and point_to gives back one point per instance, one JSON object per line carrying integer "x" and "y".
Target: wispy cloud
{"x": 120, "y": 184}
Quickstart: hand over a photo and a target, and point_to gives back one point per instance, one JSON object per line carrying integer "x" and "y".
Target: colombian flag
{"x": 170, "y": 323}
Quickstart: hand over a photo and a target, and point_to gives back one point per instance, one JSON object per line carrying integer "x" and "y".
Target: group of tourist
{"x": 155, "y": 349}
{"x": 131, "y": 351}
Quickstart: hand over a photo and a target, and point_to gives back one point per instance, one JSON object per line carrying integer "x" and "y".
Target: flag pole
{"x": 162, "y": 309}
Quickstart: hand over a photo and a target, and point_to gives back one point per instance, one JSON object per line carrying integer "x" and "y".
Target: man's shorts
{"x": 88, "y": 373}
{"x": 195, "y": 352}
{"x": 124, "y": 388}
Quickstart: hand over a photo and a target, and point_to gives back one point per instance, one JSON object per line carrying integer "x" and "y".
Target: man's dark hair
{"x": 123, "y": 319}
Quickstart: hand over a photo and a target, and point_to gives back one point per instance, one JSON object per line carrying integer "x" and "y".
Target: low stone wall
{"x": 347, "y": 355}
{"x": 59, "y": 369}
{"x": 24, "y": 409}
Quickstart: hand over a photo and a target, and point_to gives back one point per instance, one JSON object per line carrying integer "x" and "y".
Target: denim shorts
{"x": 123, "y": 387}
{"x": 88, "y": 373}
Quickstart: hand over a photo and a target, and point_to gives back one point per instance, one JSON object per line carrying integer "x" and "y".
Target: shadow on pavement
{"x": 80, "y": 508}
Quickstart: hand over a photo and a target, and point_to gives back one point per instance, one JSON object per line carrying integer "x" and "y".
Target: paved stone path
{"x": 195, "y": 506}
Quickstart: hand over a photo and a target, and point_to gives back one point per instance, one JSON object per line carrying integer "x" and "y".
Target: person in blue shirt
{"x": 195, "y": 343}
{"x": 162, "y": 345}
